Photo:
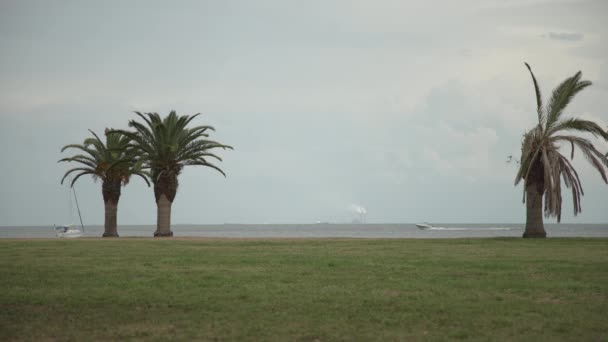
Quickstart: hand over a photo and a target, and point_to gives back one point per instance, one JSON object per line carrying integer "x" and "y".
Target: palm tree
{"x": 542, "y": 164}
{"x": 113, "y": 162}
{"x": 165, "y": 146}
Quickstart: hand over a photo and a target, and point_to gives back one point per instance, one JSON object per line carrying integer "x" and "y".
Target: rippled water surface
{"x": 400, "y": 230}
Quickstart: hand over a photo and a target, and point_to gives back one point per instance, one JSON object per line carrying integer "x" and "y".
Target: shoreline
{"x": 294, "y": 239}
{"x": 318, "y": 231}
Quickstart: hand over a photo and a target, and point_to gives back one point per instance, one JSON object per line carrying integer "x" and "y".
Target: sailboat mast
{"x": 78, "y": 208}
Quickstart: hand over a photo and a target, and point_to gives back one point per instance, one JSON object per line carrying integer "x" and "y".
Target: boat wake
{"x": 470, "y": 228}
{"x": 445, "y": 228}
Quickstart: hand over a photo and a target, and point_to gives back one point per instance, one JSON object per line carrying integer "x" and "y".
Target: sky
{"x": 407, "y": 109}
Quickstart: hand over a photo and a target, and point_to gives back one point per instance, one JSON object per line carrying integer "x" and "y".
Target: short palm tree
{"x": 113, "y": 163}
{"x": 166, "y": 145}
{"x": 542, "y": 164}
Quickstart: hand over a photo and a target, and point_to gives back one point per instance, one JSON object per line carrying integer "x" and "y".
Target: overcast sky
{"x": 406, "y": 108}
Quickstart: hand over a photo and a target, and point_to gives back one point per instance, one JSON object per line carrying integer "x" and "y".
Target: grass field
{"x": 473, "y": 289}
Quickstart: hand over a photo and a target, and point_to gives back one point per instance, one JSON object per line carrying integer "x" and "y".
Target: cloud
{"x": 565, "y": 36}
{"x": 360, "y": 102}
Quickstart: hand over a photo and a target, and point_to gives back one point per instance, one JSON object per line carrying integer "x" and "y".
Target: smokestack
{"x": 360, "y": 211}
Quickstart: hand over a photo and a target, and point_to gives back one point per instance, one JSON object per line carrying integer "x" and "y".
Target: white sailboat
{"x": 69, "y": 231}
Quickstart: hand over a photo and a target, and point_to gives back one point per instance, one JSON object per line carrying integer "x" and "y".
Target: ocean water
{"x": 326, "y": 230}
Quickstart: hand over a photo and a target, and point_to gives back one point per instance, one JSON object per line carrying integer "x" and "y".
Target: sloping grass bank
{"x": 477, "y": 289}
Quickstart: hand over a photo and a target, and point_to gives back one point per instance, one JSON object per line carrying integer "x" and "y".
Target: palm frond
{"x": 97, "y": 142}
{"x": 571, "y": 180}
{"x": 531, "y": 150}
{"x": 165, "y": 145}
{"x": 540, "y": 148}
{"x": 204, "y": 163}
{"x": 83, "y": 169}
{"x": 539, "y": 100}
{"x": 585, "y": 145}
{"x": 112, "y": 160}
{"x": 597, "y": 163}
{"x": 562, "y": 95}
{"x": 79, "y": 147}
{"x": 579, "y": 125}
{"x": 88, "y": 161}
{"x": 144, "y": 175}
{"x": 80, "y": 175}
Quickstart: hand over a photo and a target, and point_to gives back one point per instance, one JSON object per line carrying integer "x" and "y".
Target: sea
{"x": 326, "y": 230}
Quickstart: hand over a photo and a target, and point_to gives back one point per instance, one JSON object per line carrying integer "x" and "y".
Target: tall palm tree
{"x": 113, "y": 162}
{"x": 165, "y": 146}
{"x": 542, "y": 164}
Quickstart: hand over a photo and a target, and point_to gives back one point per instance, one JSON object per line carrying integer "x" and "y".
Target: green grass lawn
{"x": 300, "y": 289}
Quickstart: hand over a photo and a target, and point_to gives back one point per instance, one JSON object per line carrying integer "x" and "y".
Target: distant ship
{"x": 423, "y": 225}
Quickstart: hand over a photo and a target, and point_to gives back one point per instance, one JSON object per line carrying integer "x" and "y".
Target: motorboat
{"x": 423, "y": 225}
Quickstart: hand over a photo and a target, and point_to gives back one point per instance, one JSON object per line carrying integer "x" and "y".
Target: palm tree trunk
{"x": 534, "y": 213}
{"x": 535, "y": 188}
{"x": 110, "y": 189}
{"x": 163, "y": 219}
{"x": 110, "y": 226}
